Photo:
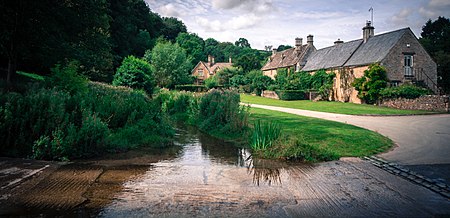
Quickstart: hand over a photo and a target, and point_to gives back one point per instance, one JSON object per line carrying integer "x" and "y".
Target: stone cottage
{"x": 398, "y": 51}
{"x": 204, "y": 70}
{"x": 292, "y": 59}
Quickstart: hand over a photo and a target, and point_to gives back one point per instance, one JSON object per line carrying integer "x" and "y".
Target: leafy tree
{"x": 172, "y": 27}
{"x": 248, "y": 61}
{"x": 238, "y": 80}
{"x": 170, "y": 63}
{"x": 242, "y": 42}
{"x": 193, "y": 45}
{"x": 66, "y": 77}
{"x": 224, "y": 75}
{"x": 261, "y": 82}
{"x": 370, "y": 85}
{"x": 134, "y": 28}
{"x": 283, "y": 47}
{"x": 135, "y": 73}
{"x": 436, "y": 40}
{"x": 211, "y": 82}
{"x": 212, "y": 48}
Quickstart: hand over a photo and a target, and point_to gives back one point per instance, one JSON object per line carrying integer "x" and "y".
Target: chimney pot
{"x": 310, "y": 40}
{"x": 229, "y": 60}
{"x": 274, "y": 50}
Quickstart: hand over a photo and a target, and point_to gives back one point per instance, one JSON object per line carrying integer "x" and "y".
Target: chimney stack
{"x": 229, "y": 60}
{"x": 368, "y": 31}
{"x": 310, "y": 40}
{"x": 274, "y": 50}
{"x": 298, "y": 42}
{"x": 337, "y": 42}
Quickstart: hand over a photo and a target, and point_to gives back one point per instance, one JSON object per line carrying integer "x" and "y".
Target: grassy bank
{"x": 331, "y": 107}
{"x": 327, "y": 138}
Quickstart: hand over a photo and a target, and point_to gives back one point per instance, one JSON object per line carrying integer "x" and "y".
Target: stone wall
{"x": 269, "y": 94}
{"x": 428, "y": 102}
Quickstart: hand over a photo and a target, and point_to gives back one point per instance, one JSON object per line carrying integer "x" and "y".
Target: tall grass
{"x": 264, "y": 135}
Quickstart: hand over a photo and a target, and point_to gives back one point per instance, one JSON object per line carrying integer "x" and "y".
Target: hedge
{"x": 191, "y": 88}
{"x": 288, "y": 95}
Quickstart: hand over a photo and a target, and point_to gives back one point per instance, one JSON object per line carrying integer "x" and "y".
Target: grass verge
{"x": 329, "y": 106}
{"x": 331, "y": 139}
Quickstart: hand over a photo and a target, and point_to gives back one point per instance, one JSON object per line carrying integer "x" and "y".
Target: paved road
{"x": 421, "y": 140}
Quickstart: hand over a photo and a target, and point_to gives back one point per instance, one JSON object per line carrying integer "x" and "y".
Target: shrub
{"x": 211, "y": 82}
{"x": 135, "y": 73}
{"x": 66, "y": 77}
{"x": 298, "y": 149}
{"x": 288, "y": 95}
{"x": 219, "y": 112}
{"x": 370, "y": 85}
{"x": 323, "y": 82}
{"x": 261, "y": 83}
{"x": 404, "y": 91}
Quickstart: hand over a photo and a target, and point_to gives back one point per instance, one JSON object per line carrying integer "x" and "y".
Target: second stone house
{"x": 204, "y": 70}
{"x": 399, "y": 52}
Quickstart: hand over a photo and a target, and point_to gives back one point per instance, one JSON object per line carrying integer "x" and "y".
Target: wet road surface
{"x": 209, "y": 178}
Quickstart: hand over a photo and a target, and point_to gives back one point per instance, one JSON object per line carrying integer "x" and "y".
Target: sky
{"x": 279, "y": 22}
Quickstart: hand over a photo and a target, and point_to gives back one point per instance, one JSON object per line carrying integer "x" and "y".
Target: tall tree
{"x": 170, "y": 64}
{"x": 172, "y": 27}
{"x": 193, "y": 45}
{"x": 436, "y": 40}
{"x": 212, "y": 48}
{"x": 242, "y": 42}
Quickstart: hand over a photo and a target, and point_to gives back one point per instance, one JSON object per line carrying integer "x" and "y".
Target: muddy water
{"x": 207, "y": 178}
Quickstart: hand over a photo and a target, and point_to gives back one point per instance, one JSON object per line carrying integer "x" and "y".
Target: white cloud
{"x": 435, "y": 8}
{"x": 402, "y": 17}
{"x": 169, "y": 10}
{"x": 252, "y": 6}
{"x": 236, "y": 23}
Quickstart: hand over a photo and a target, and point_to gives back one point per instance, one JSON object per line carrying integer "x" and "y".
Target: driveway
{"x": 422, "y": 141}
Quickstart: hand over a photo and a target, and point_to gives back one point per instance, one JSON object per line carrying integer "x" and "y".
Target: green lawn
{"x": 343, "y": 139}
{"x": 329, "y": 106}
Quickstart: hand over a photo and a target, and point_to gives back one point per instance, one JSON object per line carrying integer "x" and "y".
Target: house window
{"x": 394, "y": 83}
{"x": 408, "y": 65}
{"x": 200, "y": 72}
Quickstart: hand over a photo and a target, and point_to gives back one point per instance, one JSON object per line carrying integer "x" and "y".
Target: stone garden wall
{"x": 428, "y": 102}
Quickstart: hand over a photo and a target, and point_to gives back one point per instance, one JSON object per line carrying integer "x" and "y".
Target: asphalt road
{"x": 420, "y": 139}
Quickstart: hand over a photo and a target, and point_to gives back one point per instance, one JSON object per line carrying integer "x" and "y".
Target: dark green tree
{"x": 242, "y": 42}
{"x": 172, "y": 27}
{"x": 193, "y": 45}
{"x": 436, "y": 40}
{"x": 212, "y": 48}
{"x": 283, "y": 47}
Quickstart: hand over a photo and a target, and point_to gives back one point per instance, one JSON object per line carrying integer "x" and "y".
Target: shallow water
{"x": 207, "y": 177}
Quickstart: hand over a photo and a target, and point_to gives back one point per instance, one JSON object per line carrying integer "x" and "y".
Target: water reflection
{"x": 266, "y": 171}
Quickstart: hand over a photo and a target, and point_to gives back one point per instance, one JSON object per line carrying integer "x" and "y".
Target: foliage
{"x": 191, "y": 88}
{"x": 135, "y": 73}
{"x": 370, "y": 85}
{"x": 323, "y": 82}
{"x": 404, "y": 91}
{"x": 170, "y": 63}
{"x": 193, "y": 45}
{"x": 211, "y": 82}
{"x": 288, "y": 95}
{"x": 54, "y": 124}
{"x": 182, "y": 106}
{"x": 67, "y": 78}
{"x": 173, "y": 27}
{"x": 224, "y": 75}
{"x": 283, "y": 47}
{"x": 436, "y": 40}
{"x": 260, "y": 83}
{"x": 242, "y": 42}
{"x": 264, "y": 135}
{"x": 292, "y": 81}
{"x": 299, "y": 149}
{"x": 220, "y": 113}
{"x": 238, "y": 80}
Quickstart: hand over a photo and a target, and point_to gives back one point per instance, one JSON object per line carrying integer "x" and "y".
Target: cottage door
{"x": 409, "y": 66}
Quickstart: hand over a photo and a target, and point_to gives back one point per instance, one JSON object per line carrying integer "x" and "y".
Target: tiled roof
{"x": 214, "y": 67}
{"x": 289, "y": 57}
{"x": 354, "y": 53}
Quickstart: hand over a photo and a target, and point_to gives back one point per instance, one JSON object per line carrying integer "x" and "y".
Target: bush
{"x": 191, "y": 88}
{"x": 261, "y": 83}
{"x": 66, "y": 77}
{"x": 370, "y": 85}
{"x": 288, "y": 95}
{"x": 219, "y": 112}
{"x": 298, "y": 149}
{"x": 404, "y": 91}
{"x": 135, "y": 73}
{"x": 211, "y": 82}
{"x": 264, "y": 135}
{"x": 56, "y": 125}
{"x": 323, "y": 82}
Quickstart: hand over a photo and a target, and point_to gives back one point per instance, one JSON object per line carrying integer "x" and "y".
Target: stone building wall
{"x": 429, "y": 103}
{"x": 394, "y": 61}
